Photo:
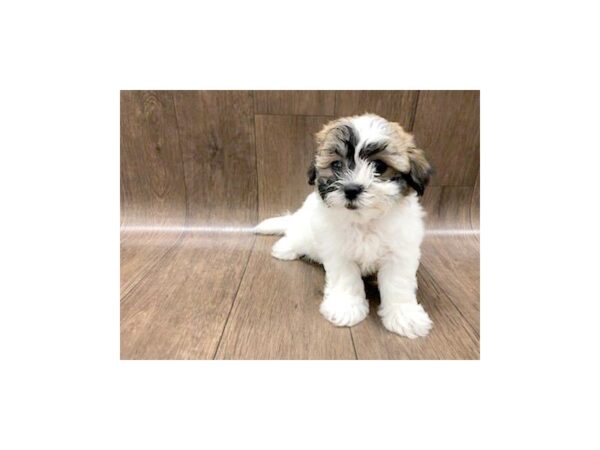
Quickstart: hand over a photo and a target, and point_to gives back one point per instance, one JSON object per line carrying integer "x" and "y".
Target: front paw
{"x": 406, "y": 319}
{"x": 344, "y": 310}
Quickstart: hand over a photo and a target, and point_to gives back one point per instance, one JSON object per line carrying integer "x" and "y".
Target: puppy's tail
{"x": 274, "y": 225}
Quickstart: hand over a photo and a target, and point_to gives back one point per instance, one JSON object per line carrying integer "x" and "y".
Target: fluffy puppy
{"x": 364, "y": 218}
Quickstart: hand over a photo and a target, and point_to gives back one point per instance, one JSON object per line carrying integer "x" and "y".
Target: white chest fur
{"x": 368, "y": 241}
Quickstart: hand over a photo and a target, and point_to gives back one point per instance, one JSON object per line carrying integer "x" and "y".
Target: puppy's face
{"x": 366, "y": 162}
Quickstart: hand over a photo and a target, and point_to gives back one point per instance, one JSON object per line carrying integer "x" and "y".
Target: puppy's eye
{"x": 336, "y": 165}
{"x": 380, "y": 166}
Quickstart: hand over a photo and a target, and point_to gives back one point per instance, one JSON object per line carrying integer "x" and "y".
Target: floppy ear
{"x": 420, "y": 170}
{"x": 312, "y": 173}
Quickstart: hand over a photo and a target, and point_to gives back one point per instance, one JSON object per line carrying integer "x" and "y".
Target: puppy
{"x": 364, "y": 218}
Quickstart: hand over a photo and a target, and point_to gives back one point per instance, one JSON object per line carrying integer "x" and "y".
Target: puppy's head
{"x": 365, "y": 162}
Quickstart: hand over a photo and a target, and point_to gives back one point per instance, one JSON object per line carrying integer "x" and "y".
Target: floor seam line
{"x": 439, "y": 286}
{"x": 353, "y": 345}
{"x": 185, "y": 185}
{"x": 234, "y": 298}
{"x": 414, "y": 112}
{"x": 256, "y": 158}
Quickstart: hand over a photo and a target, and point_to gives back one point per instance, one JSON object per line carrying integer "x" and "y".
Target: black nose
{"x": 352, "y": 191}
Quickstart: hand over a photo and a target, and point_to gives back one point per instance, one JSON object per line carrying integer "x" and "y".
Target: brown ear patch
{"x": 420, "y": 170}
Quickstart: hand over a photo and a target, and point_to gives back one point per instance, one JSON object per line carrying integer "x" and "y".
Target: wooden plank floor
{"x": 200, "y": 168}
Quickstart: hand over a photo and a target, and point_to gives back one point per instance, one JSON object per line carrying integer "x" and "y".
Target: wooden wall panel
{"x": 397, "y": 106}
{"x": 448, "y": 207}
{"x": 152, "y": 185}
{"x": 217, "y": 140}
{"x": 285, "y": 147}
{"x": 316, "y": 103}
{"x": 447, "y": 128}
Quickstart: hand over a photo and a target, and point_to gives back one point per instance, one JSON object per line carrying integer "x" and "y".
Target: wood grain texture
{"x": 140, "y": 251}
{"x": 396, "y": 106}
{"x": 199, "y": 167}
{"x": 454, "y": 263}
{"x": 316, "y": 103}
{"x": 276, "y": 314}
{"x": 448, "y": 207}
{"x": 447, "y": 128}
{"x": 152, "y": 185}
{"x": 179, "y": 309}
{"x": 217, "y": 141}
{"x": 285, "y": 148}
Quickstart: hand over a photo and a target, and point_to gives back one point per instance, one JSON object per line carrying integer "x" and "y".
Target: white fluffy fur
{"x": 382, "y": 236}
{"x": 349, "y": 245}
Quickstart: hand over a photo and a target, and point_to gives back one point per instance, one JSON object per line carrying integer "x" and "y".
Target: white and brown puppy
{"x": 364, "y": 218}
